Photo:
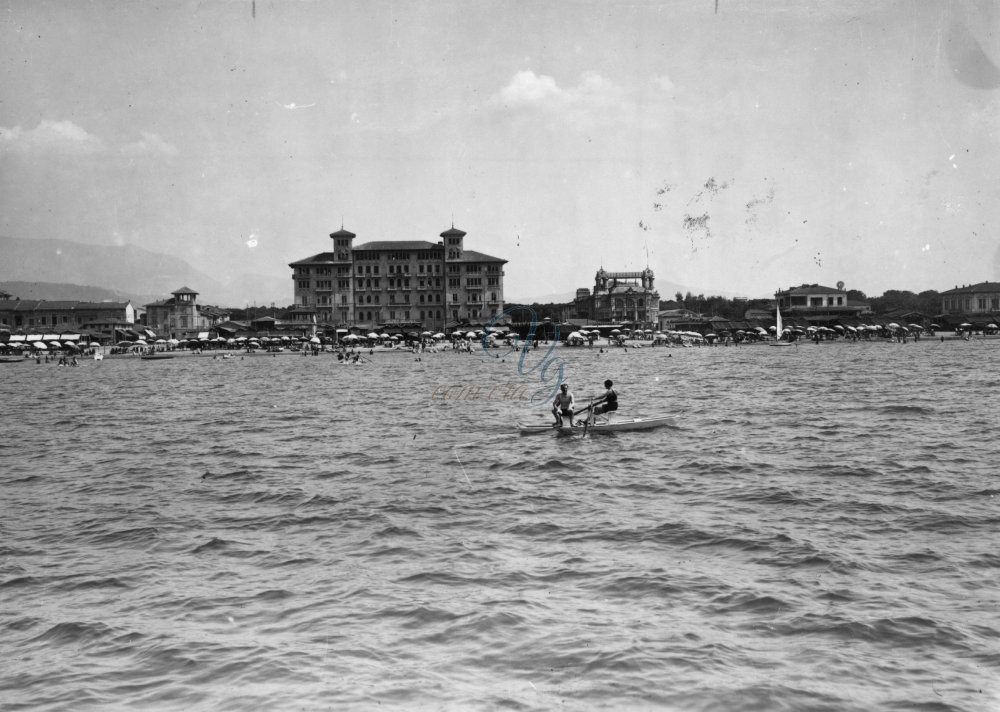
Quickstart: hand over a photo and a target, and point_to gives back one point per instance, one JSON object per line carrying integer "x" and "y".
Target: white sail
{"x": 777, "y": 326}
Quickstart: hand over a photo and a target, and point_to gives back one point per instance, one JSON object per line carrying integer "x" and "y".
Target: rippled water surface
{"x": 819, "y": 532}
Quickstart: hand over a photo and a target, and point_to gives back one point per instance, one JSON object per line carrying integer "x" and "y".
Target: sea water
{"x": 818, "y": 532}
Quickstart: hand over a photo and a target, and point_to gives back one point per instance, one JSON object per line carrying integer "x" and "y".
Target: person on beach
{"x": 562, "y": 406}
{"x": 607, "y": 402}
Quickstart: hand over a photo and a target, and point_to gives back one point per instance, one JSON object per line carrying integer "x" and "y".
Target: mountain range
{"x": 63, "y": 269}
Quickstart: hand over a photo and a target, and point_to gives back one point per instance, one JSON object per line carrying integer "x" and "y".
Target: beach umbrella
{"x": 372, "y": 335}
{"x": 55, "y": 343}
{"x": 315, "y": 340}
{"x": 438, "y": 336}
{"x": 40, "y": 345}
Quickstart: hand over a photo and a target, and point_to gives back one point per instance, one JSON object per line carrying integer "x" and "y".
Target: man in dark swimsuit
{"x": 607, "y": 402}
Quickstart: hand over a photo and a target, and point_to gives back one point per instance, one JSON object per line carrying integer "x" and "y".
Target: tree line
{"x": 927, "y": 302}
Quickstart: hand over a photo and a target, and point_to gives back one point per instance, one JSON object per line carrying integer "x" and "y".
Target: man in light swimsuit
{"x": 562, "y": 406}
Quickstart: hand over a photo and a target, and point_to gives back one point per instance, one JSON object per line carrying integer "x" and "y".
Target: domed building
{"x": 620, "y": 298}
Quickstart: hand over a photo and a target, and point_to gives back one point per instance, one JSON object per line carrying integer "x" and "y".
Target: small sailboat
{"x": 778, "y": 329}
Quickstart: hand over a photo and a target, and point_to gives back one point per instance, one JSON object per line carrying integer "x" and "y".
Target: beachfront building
{"x": 21, "y": 315}
{"x": 181, "y": 316}
{"x": 382, "y": 284}
{"x": 817, "y": 303}
{"x": 675, "y": 319}
{"x": 619, "y": 298}
{"x": 972, "y": 300}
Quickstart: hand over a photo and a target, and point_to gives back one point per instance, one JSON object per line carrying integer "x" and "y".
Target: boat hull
{"x": 609, "y": 427}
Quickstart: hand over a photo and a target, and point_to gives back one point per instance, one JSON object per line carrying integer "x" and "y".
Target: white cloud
{"x": 592, "y": 102}
{"x": 665, "y": 84}
{"x": 527, "y": 88}
{"x": 150, "y": 144}
{"x": 63, "y": 137}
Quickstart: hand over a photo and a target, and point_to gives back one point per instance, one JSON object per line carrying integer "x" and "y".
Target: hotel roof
{"x": 811, "y": 289}
{"x": 975, "y": 288}
{"x": 395, "y": 245}
{"x": 398, "y": 246}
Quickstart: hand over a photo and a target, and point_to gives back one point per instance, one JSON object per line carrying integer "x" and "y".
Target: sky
{"x": 734, "y": 147}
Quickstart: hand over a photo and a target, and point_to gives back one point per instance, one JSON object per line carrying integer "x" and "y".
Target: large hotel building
{"x": 378, "y": 284}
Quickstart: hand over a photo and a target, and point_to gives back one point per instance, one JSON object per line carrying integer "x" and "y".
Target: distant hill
{"x": 260, "y": 290}
{"x": 62, "y": 269}
{"x": 125, "y": 269}
{"x": 554, "y": 298}
{"x": 54, "y": 291}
